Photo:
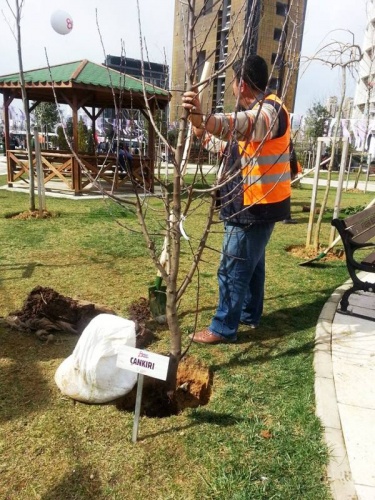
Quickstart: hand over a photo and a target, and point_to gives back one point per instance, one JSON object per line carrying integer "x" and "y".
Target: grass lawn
{"x": 258, "y": 437}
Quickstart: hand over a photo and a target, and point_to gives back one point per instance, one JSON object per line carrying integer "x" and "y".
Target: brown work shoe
{"x": 207, "y": 337}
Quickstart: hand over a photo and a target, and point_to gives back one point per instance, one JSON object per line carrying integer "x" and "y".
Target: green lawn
{"x": 258, "y": 438}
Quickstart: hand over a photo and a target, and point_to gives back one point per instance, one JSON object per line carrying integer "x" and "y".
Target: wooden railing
{"x": 63, "y": 166}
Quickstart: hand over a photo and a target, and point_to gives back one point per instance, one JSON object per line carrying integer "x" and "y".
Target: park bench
{"x": 356, "y": 232}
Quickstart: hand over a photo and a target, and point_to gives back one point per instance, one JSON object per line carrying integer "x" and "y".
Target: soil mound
{"x": 45, "y": 311}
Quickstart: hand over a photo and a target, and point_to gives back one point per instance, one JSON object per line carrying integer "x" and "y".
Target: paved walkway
{"x": 344, "y": 363}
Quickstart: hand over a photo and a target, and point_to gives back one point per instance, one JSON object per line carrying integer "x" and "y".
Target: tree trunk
{"x": 330, "y": 166}
{"x": 26, "y": 108}
{"x": 173, "y": 230}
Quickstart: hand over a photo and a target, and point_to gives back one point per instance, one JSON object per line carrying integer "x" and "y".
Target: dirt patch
{"x": 139, "y": 310}
{"x": 307, "y": 208}
{"x": 302, "y": 252}
{"x": 194, "y": 385}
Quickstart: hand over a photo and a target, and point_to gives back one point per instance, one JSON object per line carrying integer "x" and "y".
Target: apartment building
{"x": 154, "y": 73}
{"x": 272, "y": 29}
{"x": 364, "y": 99}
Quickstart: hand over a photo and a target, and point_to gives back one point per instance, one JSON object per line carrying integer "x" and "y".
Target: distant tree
{"x": 46, "y": 115}
{"x": 69, "y": 128}
{"x": 90, "y": 142}
{"x": 315, "y": 122}
{"x": 61, "y": 141}
{"x": 83, "y": 136}
{"x": 84, "y": 133}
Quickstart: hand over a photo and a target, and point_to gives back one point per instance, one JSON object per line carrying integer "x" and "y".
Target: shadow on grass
{"x": 204, "y": 416}
{"x": 319, "y": 265}
{"x": 201, "y": 416}
{"x": 23, "y": 387}
{"x": 82, "y": 482}
{"x": 246, "y": 356}
{"x": 281, "y": 322}
{"x": 27, "y": 270}
{"x": 269, "y": 341}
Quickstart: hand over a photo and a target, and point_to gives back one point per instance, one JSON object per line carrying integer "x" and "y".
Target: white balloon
{"x": 61, "y": 22}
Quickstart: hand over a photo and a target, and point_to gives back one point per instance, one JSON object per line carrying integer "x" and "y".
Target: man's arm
{"x": 255, "y": 124}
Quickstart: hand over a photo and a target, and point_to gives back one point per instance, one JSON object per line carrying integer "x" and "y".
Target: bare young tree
{"x": 345, "y": 56}
{"x": 180, "y": 201}
{"x": 16, "y": 13}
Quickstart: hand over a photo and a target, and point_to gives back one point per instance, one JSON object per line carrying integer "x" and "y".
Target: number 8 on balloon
{"x": 61, "y": 22}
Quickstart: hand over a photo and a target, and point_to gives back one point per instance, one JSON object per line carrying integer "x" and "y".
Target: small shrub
{"x": 353, "y": 210}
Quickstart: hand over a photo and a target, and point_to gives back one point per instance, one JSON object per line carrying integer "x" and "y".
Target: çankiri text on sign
{"x": 143, "y": 362}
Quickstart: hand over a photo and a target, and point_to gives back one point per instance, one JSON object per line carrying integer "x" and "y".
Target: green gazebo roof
{"x": 93, "y": 84}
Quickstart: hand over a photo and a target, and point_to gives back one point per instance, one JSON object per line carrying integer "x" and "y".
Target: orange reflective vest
{"x": 266, "y": 167}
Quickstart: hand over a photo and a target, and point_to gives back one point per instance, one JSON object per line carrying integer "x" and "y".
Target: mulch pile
{"x": 302, "y": 252}
{"x": 32, "y": 214}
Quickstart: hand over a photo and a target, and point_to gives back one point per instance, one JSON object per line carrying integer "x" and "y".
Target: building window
{"x": 281, "y": 9}
{"x": 200, "y": 63}
{"x": 277, "y": 32}
{"x": 277, "y": 60}
{"x": 207, "y": 7}
{"x": 274, "y": 84}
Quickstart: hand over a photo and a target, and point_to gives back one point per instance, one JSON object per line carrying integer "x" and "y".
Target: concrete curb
{"x": 338, "y": 469}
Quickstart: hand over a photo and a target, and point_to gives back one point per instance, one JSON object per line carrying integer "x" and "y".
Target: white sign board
{"x": 143, "y": 362}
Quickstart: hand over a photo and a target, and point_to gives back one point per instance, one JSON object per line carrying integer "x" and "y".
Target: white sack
{"x": 90, "y": 373}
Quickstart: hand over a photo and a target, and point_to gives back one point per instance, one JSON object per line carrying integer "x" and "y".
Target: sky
{"x": 118, "y": 26}
{"x": 119, "y": 30}
{"x": 323, "y": 18}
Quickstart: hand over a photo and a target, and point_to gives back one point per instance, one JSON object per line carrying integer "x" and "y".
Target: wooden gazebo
{"x": 91, "y": 87}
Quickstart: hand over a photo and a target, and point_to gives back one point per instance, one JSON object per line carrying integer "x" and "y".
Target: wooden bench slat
{"x": 370, "y": 259}
{"x": 361, "y": 226}
{"x": 356, "y": 232}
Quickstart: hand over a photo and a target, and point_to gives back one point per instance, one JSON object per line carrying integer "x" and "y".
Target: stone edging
{"x": 338, "y": 469}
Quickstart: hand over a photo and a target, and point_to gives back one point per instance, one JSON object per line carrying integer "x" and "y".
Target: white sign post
{"x": 143, "y": 363}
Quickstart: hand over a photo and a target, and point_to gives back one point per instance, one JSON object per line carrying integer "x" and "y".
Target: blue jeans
{"x": 241, "y": 277}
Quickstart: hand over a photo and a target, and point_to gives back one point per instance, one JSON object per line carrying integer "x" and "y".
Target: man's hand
{"x": 190, "y": 101}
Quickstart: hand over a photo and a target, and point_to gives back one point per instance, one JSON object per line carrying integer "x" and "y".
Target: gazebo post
{"x": 93, "y": 129}
{"x": 151, "y": 146}
{"x": 7, "y": 101}
{"x": 76, "y": 167}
